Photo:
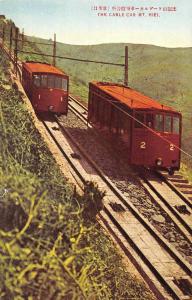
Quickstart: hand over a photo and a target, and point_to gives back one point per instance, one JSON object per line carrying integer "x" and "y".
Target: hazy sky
{"x": 76, "y": 21}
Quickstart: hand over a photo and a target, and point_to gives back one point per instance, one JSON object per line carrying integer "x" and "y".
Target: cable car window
{"x": 58, "y": 83}
{"x": 36, "y": 80}
{"x": 167, "y": 124}
{"x": 150, "y": 120}
{"x": 51, "y": 81}
{"x": 44, "y": 80}
{"x": 159, "y": 122}
{"x": 140, "y": 118}
{"x": 64, "y": 84}
{"x": 176, "y": 125}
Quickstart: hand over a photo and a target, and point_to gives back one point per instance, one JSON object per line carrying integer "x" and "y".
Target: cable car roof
{"x": 130, "y": 97}
{"x": 38, "y": 67}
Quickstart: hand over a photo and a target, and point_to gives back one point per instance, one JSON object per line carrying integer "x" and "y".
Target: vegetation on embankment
{"x": 51, "y": 247}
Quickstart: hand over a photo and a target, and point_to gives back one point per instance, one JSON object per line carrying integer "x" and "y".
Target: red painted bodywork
{"x": 156, "y": 147}
{"x": 131, "y": 98}
{"x": 42, "y": 98}
{"x": 36, "y": 67}
{"x": 113, "y": 108}
{"x": 49, "y": 97}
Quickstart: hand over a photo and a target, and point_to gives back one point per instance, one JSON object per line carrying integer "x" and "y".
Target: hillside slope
{"x": 51, "y": 247}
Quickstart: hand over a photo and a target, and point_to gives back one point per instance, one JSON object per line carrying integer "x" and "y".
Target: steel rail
{"x": 177, "y": 191}
{"x": 185, "y": 266}
{"x": 79, "y": 103}
{"x": 180, "y": 222}
{"x": 75, "y": 110}
{"x": 172, "y": 210}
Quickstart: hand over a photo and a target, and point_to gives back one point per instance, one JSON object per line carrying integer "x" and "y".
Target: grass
{"x": 186, "y": 169}
{"x": 50, "y": 245}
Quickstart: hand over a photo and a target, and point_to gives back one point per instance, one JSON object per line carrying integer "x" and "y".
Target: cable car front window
{"x": 64, "y": 84}
{"x": 150, "y": 120}
{"x": 167, "y": 124}
{"x": 36, "y": 80}
{"x": 44, "y": 80}
{"x": 58, "y": 82}
{"x": 176, "y": 125}
{"x": 159, "y": 122}
{"x": 51, "y": 81}
{"x": 140, "y": 118}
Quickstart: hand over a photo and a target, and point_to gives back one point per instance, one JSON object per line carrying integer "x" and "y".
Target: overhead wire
{"x": 109, "y": 63}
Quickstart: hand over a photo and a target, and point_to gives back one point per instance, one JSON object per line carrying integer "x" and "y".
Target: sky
{"x": 78, "y": 22}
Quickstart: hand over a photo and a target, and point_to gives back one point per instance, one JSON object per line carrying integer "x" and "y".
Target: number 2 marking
{"x": 143, "y": 145}
{"x": 171, "y": 147}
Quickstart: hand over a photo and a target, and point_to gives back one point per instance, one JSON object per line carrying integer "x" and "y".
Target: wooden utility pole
{"x": 54, "y": 50}
{"x": 22, "y": 39}
{"x": 16, "y": 49}
{"x": 126, "y": 66}
{"x": 10, "y": 40}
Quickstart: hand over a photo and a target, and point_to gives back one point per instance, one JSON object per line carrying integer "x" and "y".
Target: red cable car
{"x": 46, "y": 87}
{"x": 150, "y": 132}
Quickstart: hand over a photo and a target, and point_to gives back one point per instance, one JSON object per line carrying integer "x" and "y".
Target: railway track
{"x": 180, "y": 185}
{"x": 162, "y": 265}
{"x": 78, "y": 108}
{"x": 167, "y": 273}
{"x": 174, "y": 206}
{"x": 164, "y": 194}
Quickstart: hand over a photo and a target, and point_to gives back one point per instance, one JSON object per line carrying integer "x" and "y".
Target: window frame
{"x": 155, "y": 122}
{"x": 172, "y": 116}
{"x": 154, "y": 113}
{"x": 33, "y": 80}
{"x": 171, "y": 128}
{"x": 179, "y": 124}
{"x": 136, "y": 122}
{"x": 44, "y": 86}
{"x": 64, "y": 79}
{"x": 48, "y": 76}
{"x": 58, "y": 79}
{"x": 55, "y": 76}
{"x": 152, "y": 119}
